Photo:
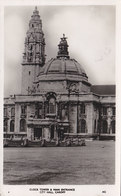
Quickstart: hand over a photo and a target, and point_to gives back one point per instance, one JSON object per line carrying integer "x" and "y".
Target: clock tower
{"x": 34, "y": 53}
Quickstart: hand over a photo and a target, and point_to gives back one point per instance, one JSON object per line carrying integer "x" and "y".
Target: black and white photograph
{"x": 59, "y": 109}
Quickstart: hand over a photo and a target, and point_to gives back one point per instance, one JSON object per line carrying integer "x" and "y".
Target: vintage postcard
{"x": 60, "y": 132}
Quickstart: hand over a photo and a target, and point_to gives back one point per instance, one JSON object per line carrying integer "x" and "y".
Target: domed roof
{"x": 62, "y": 67}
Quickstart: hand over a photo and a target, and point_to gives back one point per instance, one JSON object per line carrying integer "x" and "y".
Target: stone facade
{"x": 57, "y": 98}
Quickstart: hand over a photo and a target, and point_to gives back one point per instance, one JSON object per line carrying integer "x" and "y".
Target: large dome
{"x": 62, "y": 67}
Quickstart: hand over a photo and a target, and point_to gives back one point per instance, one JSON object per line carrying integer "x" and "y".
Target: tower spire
{"x": 34, "y": 53}
{"x": 63, "y": 48}
{"x": 34, "y": 41}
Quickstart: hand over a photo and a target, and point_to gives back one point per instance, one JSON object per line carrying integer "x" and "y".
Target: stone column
{"x": 109, "y": 125}
{"x": 46, "y": 133}
{"x": 90, "y": 118}
{"x": 109, "y": 111}
{"x": 17, "y": 117}
{"x": 58, "y": 110}
{"x": 73, "y": 117}
{"x": 30, "y": 133}
{"x": 55, "y": 133}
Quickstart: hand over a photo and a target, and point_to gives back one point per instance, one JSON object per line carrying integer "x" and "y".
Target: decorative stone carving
{"x": 58, "y": 98}
{"x": 44, "y": 98}
{"x": 50, "y": 94}
{"x": 31, "y": 90}
{"x": 73, "y": 87}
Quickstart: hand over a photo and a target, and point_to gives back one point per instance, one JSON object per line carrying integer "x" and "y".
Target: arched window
{"x": 22, "y": 125}
{"x": 104, "y": 126}
{"x": 12, "y": 126}
{"x": 12, "y": 111}
{"x": 52, "y": 106}
{"x": 83, "y": 126}
{"x": 113, "y": 126}
{"x": 5, "y": 125}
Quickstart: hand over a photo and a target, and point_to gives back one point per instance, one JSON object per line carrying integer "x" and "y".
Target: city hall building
{"x": 56, "y": 97}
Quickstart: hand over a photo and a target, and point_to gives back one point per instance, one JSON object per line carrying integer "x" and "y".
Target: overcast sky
{"x": 91, "y": 38}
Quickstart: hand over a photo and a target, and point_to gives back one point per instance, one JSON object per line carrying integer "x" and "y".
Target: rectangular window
{"x": 5, "y": 111}
{"x": 64, "y": 112}
{"x": 5, "y": 125}
{"x": 51, "y": 108}
{"x": 113, "y": 111}
{"x": 40, "y": 111}
{"x": 46, "y": 108}
{"x": 23, "y": 109}
{"x": 12, "y": 111}
{"x": 104, "y": 111}
{"x": 82, "y": 109}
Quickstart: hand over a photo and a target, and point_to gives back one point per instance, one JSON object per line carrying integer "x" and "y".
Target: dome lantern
{"x": 63, "y": 48}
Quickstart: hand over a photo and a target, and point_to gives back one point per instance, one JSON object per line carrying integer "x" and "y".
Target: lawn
{"x": 90, "y": 164}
